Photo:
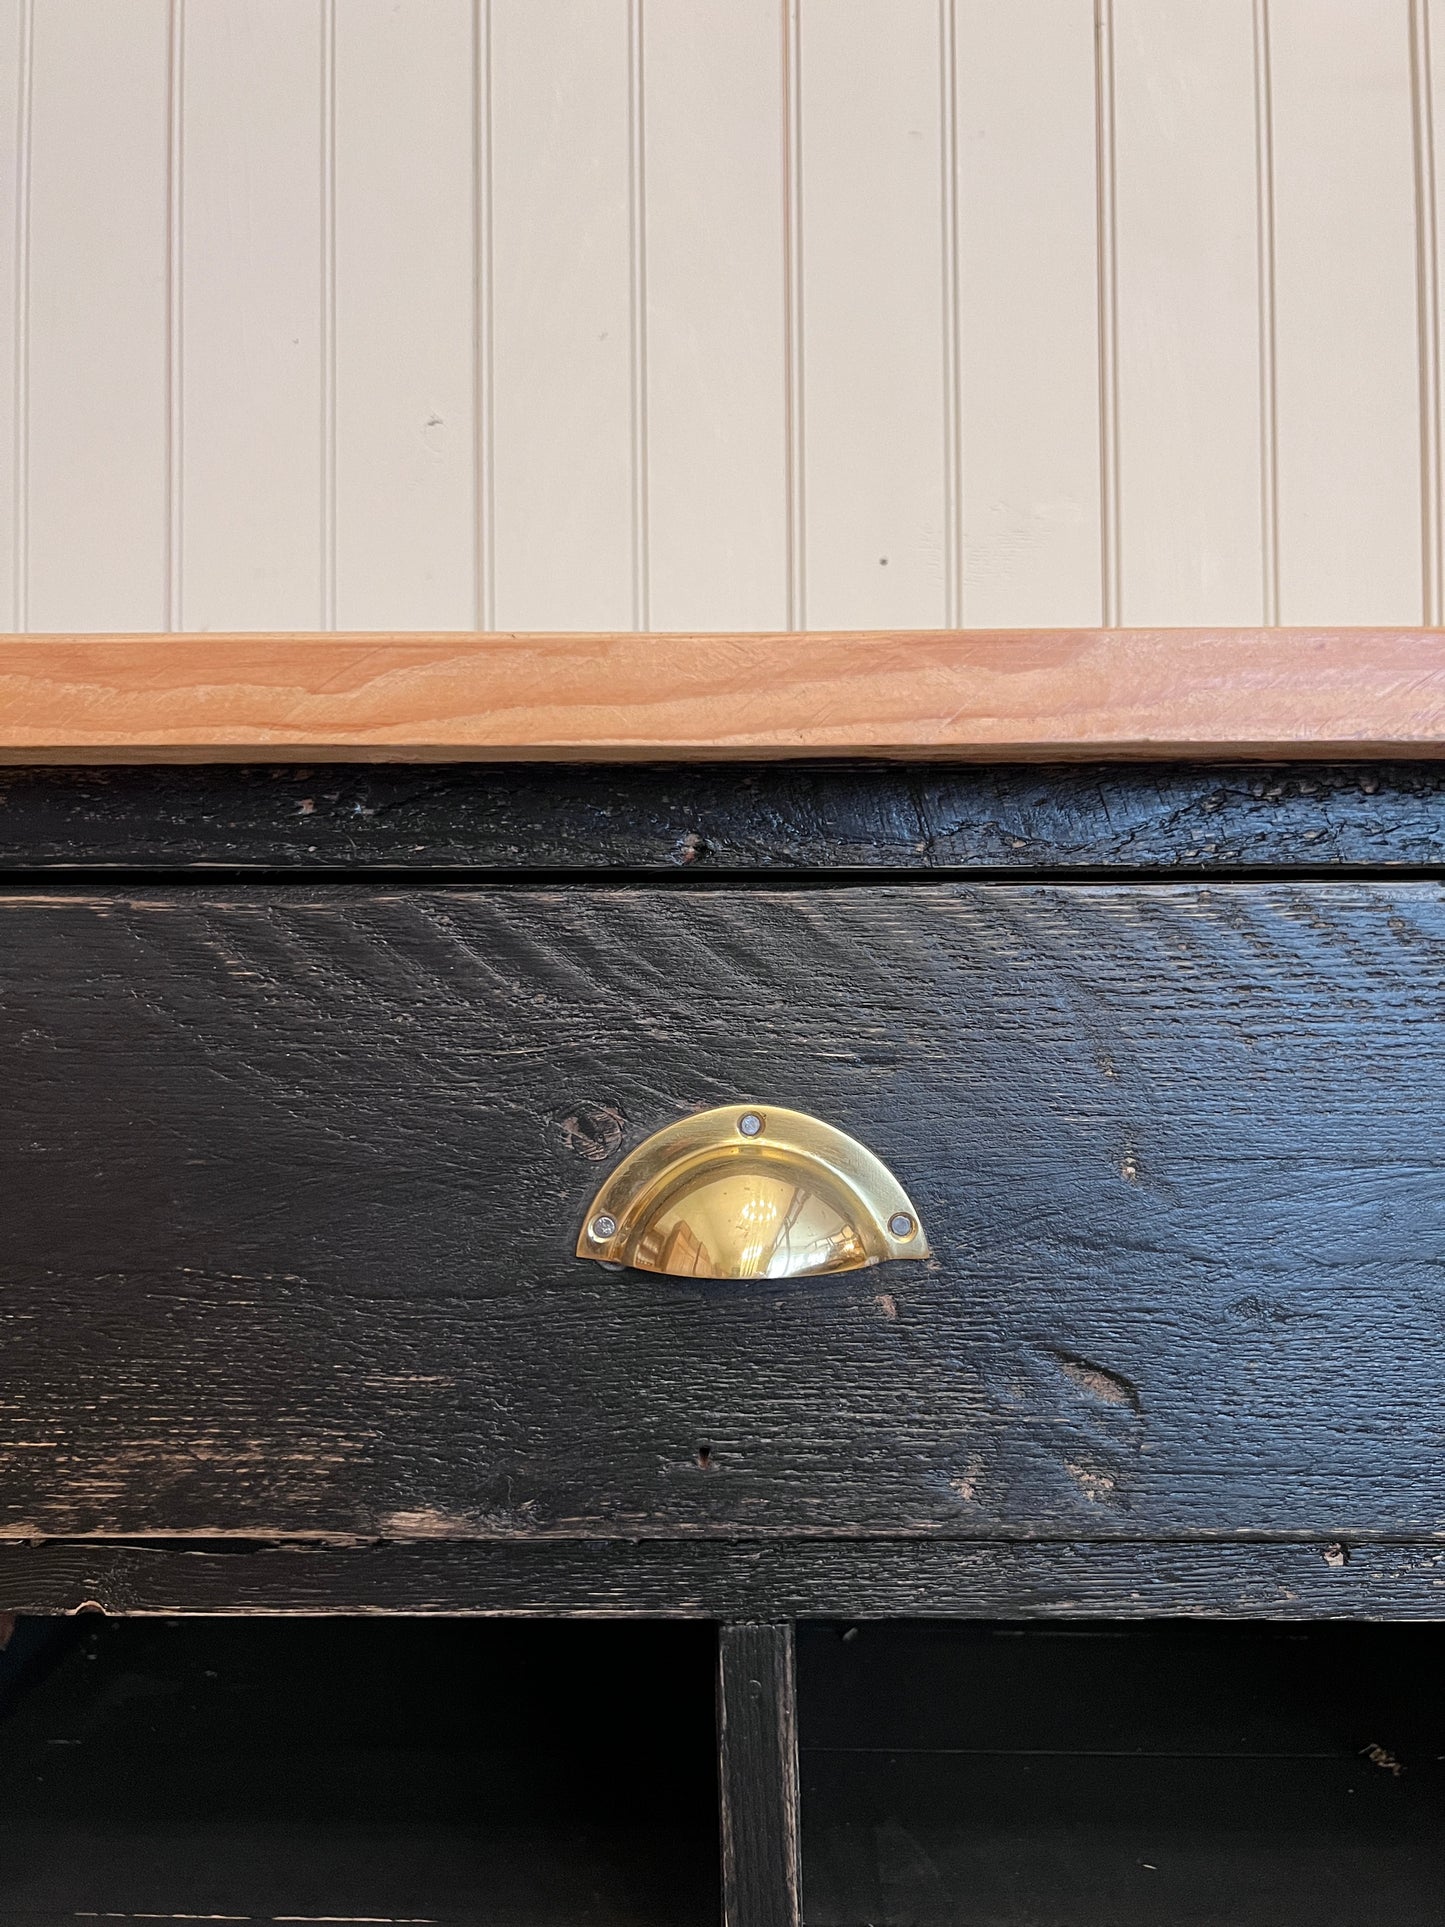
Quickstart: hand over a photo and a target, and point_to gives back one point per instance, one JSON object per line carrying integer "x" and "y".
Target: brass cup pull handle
{"x": 751, "y": 1191}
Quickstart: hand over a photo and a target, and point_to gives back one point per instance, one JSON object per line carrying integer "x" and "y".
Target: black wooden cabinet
{"x": 310, "y": 1076}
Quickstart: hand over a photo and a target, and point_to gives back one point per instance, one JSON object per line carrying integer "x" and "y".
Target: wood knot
{"x": 593, "y": 1131}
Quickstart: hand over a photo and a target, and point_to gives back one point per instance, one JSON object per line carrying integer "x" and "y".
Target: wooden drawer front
{"x": 290, "y": 1178}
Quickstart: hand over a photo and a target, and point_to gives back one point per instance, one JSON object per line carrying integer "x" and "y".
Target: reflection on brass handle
{"x": 748, "y": 1191}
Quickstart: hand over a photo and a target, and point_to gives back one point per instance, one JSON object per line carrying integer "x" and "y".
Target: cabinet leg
{"x": 757, "y": 1721}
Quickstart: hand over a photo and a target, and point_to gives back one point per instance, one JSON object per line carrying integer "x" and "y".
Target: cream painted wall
{"x": 719, "y": 313}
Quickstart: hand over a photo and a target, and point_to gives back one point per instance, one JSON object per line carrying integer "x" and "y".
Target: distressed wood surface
{"x": 704, "y": 819}
{"x": 990, "y": 695}
{"x": 293, "y": 1174}
{"x": 757, "y": 1733}
{"x": 737, "y": 1579}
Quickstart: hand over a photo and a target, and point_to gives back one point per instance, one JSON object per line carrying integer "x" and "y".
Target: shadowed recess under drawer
{"x": 1203, "y": 1776}
{"x": 425, "y": 1772}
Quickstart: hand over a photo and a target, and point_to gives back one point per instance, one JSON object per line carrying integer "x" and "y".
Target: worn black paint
{"x": 720, "y": 818}
{"x": 1048, "y": 1580}
{"x": 292, "y": 1176}
{"x": 757, "y": 1725}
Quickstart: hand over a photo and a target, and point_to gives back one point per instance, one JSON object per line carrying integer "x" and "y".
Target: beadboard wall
{"x": 687, "y": 314}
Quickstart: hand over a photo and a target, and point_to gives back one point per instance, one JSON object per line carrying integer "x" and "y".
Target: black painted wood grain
{"x": 757, "y": 1725}
{"x": 292, "y": 1176}
{"x": 697, "y": 820}
{"x": 720, "y": 1579}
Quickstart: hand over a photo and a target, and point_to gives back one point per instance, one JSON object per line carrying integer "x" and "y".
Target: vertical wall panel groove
{"x": 872, "y": 311}
{"x": 1110, "y": 501}
{"x": 1028, "y": 312}
{"x": 1264, "y": 235}
{"x": 1427, "y": 307}
{"x": 482, "y": 440}
{"x": 22, "y": 37}
{"x": 637, "y": 261}
{"x": 328, "y": 314}
{"x": 715, "y": 300}
{"x": 175, "y": 314}
{"x": 797, "y": 518}
{"x": 406, "y": 269}
{"x": 1430, "y": 79}
{"x": 1186, "y": 273}
{"x": 952, "y": 344}
{"x": 562, "y": 315}
{"x": 257, "y": 303}
{"x": 96, "y": 298}
{"x": 1346, "y": 312}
